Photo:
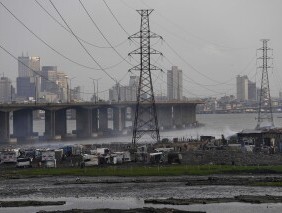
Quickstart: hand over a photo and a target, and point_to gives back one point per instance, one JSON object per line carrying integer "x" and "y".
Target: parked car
{"x": 23, "y": 163}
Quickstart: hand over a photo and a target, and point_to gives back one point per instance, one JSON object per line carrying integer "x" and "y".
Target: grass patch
{"x": 135, "y": 171}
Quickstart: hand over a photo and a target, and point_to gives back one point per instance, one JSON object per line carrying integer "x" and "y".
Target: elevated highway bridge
{"x": 90, "y": 117}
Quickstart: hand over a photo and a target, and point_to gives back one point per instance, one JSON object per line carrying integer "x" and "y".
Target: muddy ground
{"x": 138, "y": 210}
{"x": 142, "y": 187}
{"x": 191, "y": 189}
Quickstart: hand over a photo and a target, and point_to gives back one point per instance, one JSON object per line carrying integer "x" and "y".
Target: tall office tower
{"x": 242, "y": 83}
{"x": 5, "y": 89}
{"x": 62, "y": 83}
{"x": 27, "y": 65}
{"x": 252, "y": 91}
{"x": 48, "y": 73}
{"x": 174, "y": 83}
{"x": 28, "y": 82}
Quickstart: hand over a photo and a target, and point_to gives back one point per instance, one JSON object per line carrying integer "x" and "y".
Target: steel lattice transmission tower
{"x": 145, "y": 120}
{"x": 265, "y": 117}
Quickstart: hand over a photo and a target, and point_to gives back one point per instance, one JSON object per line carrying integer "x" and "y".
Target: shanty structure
{"x": 263, "y": 139}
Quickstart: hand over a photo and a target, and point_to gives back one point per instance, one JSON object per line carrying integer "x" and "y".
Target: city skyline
{"x": 217, "y": 40}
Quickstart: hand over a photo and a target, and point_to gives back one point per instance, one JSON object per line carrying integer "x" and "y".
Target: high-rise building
{"x": 62, "y": 82}
{"x": 25, "y": 88}
{"x": 28, "y": 82}
{"x": 27, "y": 65}
{"x": 49, "y": 73}
{"x": 5, "y": 89}
{"x": 174, "y": 83}
{"x": 252, "y": 91}
{"x": 242, "y": 83}
{"x": 246, "y": 89}
{"x": 125, "y": 93}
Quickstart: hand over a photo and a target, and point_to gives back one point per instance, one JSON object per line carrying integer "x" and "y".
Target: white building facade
{"x": 174, "y": 84}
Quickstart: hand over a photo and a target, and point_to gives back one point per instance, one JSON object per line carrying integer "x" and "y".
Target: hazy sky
{"x": 212, "y": 41}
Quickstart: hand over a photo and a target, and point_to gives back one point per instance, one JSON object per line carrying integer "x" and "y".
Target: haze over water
{"x": 215, "y": 125}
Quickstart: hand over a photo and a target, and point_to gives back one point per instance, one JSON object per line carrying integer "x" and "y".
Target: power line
{"x": 38, "y": 73}
{"x": 111, "y": 77}
{"x": 53, "y": 49}
{"x": 87, "y": 42}
{"x": 127, "y": 32}
{"x": 102, "y": 33}
{"x": 116, "y": 18}
{"x": 195, "y": 36}
{"x": 165, "y": 57}
{"x": 192, "y": 67}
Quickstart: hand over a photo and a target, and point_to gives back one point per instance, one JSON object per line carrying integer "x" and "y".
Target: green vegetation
{"x": 137, "y": 170}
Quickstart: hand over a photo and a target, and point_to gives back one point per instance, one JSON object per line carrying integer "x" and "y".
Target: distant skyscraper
{"x": 5, "y": 89}
{"x": 242, "y": 83}
{"x": 174, "y": 83}
{"x": 27, "y": 65}
{"x": 125, "y": 93}
{"x": 246, "y": 89}
{"x": 25, "y": 88}
{"x": 28, "y": 82}
{"x": 48, "y": 73}
{"x": 62, "y": 82}
{"x": 252, "y": 91}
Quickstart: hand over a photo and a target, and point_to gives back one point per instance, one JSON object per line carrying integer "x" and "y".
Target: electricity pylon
{"x": 265, "y": 117}
{"x": 145, "y": 120}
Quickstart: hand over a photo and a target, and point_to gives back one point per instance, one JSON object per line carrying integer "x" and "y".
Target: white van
{"x": 23, "y": 163}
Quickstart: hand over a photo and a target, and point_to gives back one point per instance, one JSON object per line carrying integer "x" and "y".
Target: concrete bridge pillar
{"x": 177, "y": 116}
{"x": 165, "y": 117}
{"x": 94, "y": 120}
{"x": 119, "y": 118}
{"x": 50, "y": 124}
{"x": 188, "y": 115}
{"x": 55, "y": 123}
{"x": 22, "y": 124}
{"x": 83, "y": 123}
{"x": 103, "y": 119}
{"x": 61, "y": 122}
{"x": 4, "y": 126}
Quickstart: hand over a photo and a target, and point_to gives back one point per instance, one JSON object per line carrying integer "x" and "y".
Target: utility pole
{"x": 265, "y": 117}
{"x": 145, "y": 120}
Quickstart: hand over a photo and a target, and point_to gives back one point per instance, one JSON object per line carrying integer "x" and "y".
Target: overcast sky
{"x": 212, "y": 41}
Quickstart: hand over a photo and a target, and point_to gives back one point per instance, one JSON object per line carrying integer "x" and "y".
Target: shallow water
{"x": 127, "y": 203}
{"x": 128, "y": 195}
